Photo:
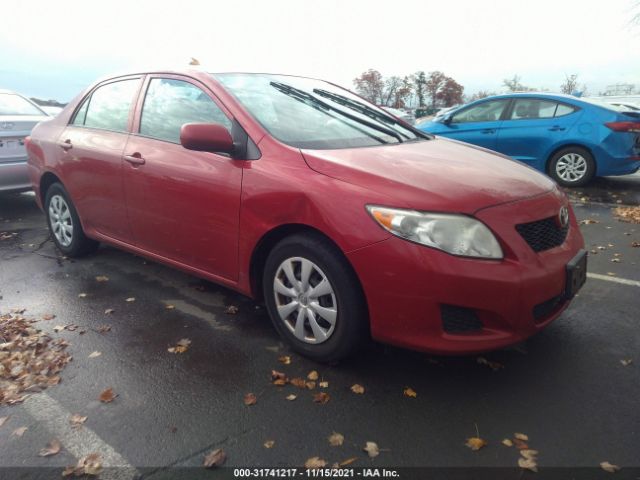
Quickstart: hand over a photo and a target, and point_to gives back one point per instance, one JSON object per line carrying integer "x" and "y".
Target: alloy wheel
{"x": 61, "y": 221}
{"x": 571, "y": 167}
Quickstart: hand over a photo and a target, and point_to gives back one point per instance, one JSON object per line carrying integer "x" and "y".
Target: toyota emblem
{"x": 563, "y": 217}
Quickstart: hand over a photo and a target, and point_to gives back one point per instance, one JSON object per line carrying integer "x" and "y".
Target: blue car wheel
{"x": 572, "y": 167}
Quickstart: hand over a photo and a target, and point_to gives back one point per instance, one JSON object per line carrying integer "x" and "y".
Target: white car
{"x": 18, "y": 115}
{"x": 401, "y": 114}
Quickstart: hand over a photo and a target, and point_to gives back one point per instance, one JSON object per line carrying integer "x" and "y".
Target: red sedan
{"x": 346, "y": 221}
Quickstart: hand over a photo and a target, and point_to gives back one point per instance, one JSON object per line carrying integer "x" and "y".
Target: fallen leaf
{"x": 372, "y": 449}
{"x": 269, "y": 444}
{"x": 611, "y": 274}
{"x": 82, "y": 295}
{"x": 280, "y": 382}
{"x": 52, "y": 448}
{"x": 275, "y": 375}
{"x": 102, "y": 278}
{"x": 130, "y": 299}
{"x": 609, "y": 467}
{"x": 169, "y": 306}
{"x": 286, "y": 359}
{"x": 59, "y": 328}
{"x": 107, "y": 396}
{"x": 48, "y": 316}
{"x": 313, "y": 375}
{"x": 359, "y": 389}
{"x": 3, "y": 420}
{"x": 588, "y": 221}
{"x": 109, "y": 311}
{"x": 104, "y": 328}
{"x": 231, "y": 310}
{"x": 250, "y": 399}
{"x": 615, "y": 260}
{"x": 336, "y": 439}
{"x": 88, "y": 465}
{"x": 323, "y": 384}
{"x": 18, "y": 432}
{"x": 291, "y": 397}
{"x": 77, "y": 420}
{"x": 298, "y": 382}
{"x": 528, "y": 453}
{"x": 626, "y": 362}
{"x": 495, "y": 366}
{"x": 528, "y": 464}
{"x": 409, "y": 392}
{"x": 215, "y": 458}
{"x": 314, "y": 462}
{"x": 507, "y": 442}
{"x": 95, "y": 354}
{"x": 521, "y": 436}
{"x": 628, "y": 214}
{"x": 475, "y": 443}
{"x": 181, "y": 347}
{"x": 520, "y": 445}
{"x": 310, "y": 385}
{"x": 348, "y": 461}
{"x": 635, "y": 244}
{"x": 321, "y": 397}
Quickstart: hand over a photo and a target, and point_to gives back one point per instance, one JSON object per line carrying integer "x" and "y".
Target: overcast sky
{"x": 53, "y": 49}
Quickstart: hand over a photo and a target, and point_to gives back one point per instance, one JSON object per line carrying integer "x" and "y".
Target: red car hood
{"x": 436, "y": 175}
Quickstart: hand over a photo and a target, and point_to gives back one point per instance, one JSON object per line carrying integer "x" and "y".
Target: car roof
{"x": 535, "y": 94}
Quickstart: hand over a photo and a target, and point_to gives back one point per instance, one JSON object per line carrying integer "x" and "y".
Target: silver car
{"x": 18, "y": 115}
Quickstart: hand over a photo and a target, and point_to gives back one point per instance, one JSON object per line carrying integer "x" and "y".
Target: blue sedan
{"x": 569, "y": 138}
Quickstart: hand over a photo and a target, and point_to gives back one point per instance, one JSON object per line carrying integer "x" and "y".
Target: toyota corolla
{"x": 347, "y": 222}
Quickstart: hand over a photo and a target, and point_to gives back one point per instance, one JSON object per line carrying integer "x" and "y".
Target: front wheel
{"x": 314, "y": 298}
{"x": 572, "y": 167}
{"x": 64, "y": 223}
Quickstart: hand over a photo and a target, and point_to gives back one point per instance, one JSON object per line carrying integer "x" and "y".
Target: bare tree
{"x": 514, "y": 84}
{"x": 481, "y": 94}
{"x": 391, "y": 87}
{"x": 420, "y": 82}
{"x": 570, "y": 84}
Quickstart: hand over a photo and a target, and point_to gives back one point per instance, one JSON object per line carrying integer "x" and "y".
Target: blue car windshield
{"x": 308, "y": 113}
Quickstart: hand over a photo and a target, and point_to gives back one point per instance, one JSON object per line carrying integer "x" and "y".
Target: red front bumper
{"x": 406, "y": 284}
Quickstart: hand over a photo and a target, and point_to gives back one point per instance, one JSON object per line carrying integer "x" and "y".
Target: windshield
{"x": 307, "y": 113}
{"x": 12, "y": 104}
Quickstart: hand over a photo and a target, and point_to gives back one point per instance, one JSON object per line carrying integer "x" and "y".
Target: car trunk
{"x": 13, "y": 130}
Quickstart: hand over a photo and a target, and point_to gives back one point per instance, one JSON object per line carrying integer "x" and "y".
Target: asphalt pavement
{"x": 566, "y": 388}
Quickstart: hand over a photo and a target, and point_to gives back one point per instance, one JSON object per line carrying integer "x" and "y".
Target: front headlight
{"x": 455, "y": 234}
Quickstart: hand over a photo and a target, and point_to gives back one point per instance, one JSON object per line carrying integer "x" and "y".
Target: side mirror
{"x": 206, "y": 137}
{"x": 447, "y": 119}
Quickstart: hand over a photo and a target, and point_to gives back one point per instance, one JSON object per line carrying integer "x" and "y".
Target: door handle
{"x": 135, "y": 159}
{"x": 556, "y": 128}
{"x": 488, "y": 130}
{"x": 66, "y": 145}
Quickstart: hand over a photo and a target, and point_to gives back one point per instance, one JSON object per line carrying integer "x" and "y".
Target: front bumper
{"x": 14, "y": 177}
{"x": 407, "y": 285}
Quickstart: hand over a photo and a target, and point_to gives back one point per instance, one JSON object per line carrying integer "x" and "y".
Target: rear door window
{"x": 108, "y": 106}
{"x": 171, "y": 103}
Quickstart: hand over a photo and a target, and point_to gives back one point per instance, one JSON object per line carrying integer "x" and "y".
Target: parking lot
{"x": 567, "y": 388}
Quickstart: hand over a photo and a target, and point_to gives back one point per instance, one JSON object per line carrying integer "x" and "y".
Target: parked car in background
{"x": 51, "y": 110}
{"x": 18, "y": 115}
{"x": 443, "y": 111}
{"x": 569, "y": 138}
{"x": 346, "y": 221}
{"x": 401, "y": 114}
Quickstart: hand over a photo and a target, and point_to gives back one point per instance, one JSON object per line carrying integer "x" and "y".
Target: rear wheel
{"x": 572, "y": 167}
{"x": 64, "y": 223}
{"x": 314, "y": 299}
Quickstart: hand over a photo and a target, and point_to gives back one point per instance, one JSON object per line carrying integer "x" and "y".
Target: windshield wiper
{"x": 363, "y": 109}
{"x": 305, "y": 97}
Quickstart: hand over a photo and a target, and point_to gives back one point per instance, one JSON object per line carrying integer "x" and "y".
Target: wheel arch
{"x": 567, "y": 145}
{"x": 47, "y": 179}
{"x": 270, "y": 240}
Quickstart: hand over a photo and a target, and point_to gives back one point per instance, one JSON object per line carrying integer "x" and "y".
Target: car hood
{"x": 436, "y": 175}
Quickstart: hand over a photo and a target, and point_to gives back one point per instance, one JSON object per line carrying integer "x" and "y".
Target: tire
{"x": 572, "y": 167}
{"x": 64, "y": 223}
{"x": 340, "y": 298}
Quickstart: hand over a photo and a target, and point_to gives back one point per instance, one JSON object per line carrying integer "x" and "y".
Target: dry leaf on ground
{"x": 508, "y": 443}
{"x": 215, "y": 458}
{"x": 48, "y": 316}
{"x": 231, "y": 310}
{"x": 310, "y": 385}
{"x": 3, "y": 420}
{"x": 88, "y": 465}
{"x": 628, "y": 214}
{"x": 609, "y": 467}
{"x": 76, "y": 420}
{"x": 181, "y": 347}
{"x": 357, "y": 388}
{"x": 95, "y": 354}
{"x": 495, "y": 366}
{"x": 104, "y": 328}
{"x": 372, "y": 449}
{"x": 250, "y": 399}
{"x": 107, "y": 396}
{"x": 130, "y": 299}
{"x": 313, "y": 375}
{"x": 528, "y": 464}
{"x": 475, "y": 443}
{"x": 109, "y": 311}
{"x": 626, "y": 362}
{"x": 18, "y": 432}
{"x": 298, "y": 382}
{"x": 323, "y": 384}
{"x": 269, "y": 443}
{"x": 521, "y": 436}
{"x": 315, "y": 462}
{"x": 291, "y": 397}
{"x": 169, "y": 306}
{"x": 321, "y": 397}
{"x": 82, "y": 295}
{"x": 336, "y": 439}
{"x": 285, "y": 359}
{"x": 409, "y": 392}
{"x": 52, "y": 448}
{"x": 102, "y": 278}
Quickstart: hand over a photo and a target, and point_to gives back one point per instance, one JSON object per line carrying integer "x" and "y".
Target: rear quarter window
{"x": 108, "y": 106}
